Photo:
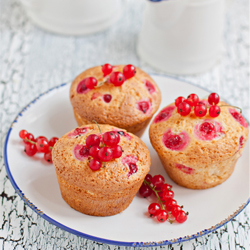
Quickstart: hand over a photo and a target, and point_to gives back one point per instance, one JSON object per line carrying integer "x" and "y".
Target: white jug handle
{"x": 164, "y": 13}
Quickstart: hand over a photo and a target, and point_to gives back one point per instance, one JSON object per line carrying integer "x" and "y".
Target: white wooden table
{"x": 32, "y": 61}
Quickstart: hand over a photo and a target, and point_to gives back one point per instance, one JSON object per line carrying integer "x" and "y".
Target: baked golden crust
{"x": 109, "y": 185}
{"x": 122, "y": 111}
{"x": 202, "y": 163}
{"x": 91, "y": 204}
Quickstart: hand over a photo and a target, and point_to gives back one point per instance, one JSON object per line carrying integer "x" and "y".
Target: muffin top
{"x": 71, "y": 160}
{"x": 193, "y": 140}
{"x": 137, "y": 99}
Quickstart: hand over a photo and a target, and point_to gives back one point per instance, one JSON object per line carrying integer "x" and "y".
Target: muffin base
{"x": 96, "y": 204}
{"x": 137, "y": 129}
{"x": 202, "y": 177}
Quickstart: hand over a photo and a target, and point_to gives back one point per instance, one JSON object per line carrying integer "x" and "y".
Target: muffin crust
{"x": 122, "y": 111}
{"x": 208, "y": 158}
{"x": 104, "y": 192}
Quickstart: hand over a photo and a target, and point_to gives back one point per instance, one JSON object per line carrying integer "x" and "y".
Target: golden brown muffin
{"x": 110, "y": 189}
{"x": 131, "y": 106}
{"x": 199, "y": 153}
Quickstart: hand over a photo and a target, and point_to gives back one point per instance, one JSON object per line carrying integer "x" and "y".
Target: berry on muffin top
{"x": 126, "y": 157}
{"x": 122, "y": 96}
{"x": 188, "y": 128}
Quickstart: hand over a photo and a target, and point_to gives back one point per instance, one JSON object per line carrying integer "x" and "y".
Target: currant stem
{"x": 227, "y": 106}
{"x": 33, "y": 142}
{"x": 98, "y": 127}
{"x": 156, "y": 193}
{"x": 232, "y": 107}
{"x": 28, "y": 140}
{"x": 100, "y": 83}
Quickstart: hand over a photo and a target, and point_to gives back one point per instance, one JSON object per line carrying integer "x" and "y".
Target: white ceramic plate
{"x": 35, "y": 181}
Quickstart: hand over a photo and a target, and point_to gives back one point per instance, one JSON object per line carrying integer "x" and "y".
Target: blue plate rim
{"x": 94, "y": 238}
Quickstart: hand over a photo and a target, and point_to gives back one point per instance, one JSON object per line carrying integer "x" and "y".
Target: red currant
{"x": 160, "y": 117}
{"x": 214, "y": 111}
{"x": 129, "y": 71}
{"x": 106, "y": 69}
{"x": 132, "y": 168}
{"x": 23, "y": 133}
{"x": 95, "y": 164}
{"x": 168, "y": 194}
{"x": 111, "y": 138}
{"x": 80, "y": 131}
{"x": 52, "y": 141}
{"x": 170, "y": 203}
{"x": 105, "y": 154}
{"x": 207, "y": 128}
{"x": 238, "y": 117}
{"x": 158, "y": 181}
{"x": 181, "y": 216}
{"x": 42, "y": 145}
{"x": 84, "y": 151}
{"x": 81, "y": 87}
{"x": 91, "y": 82}
{"x": 144, "y": 106}
{"x": 117, "y": 151}
{"x": 40, "y": 137}
{"x": 175, "y": 209}
{"x": 192, "y": 99}
{"x": 117, "y": 78}
{"x": 48, "y": 156}
{"x": 93, "y": 151}
{"x": 107, "y": 98}
{"x": 166, "y": 186}
{"x": 92, "y": 140}
{"x": 148, "y": 178}
{"x": 160, "y": 193}
{"x": 200, "y": 110}
{"x": 150, "y": 87}
{"x": 162, "y": 215}
{"x": 184, "y": 109}
{"x": 202, "y": 102}
{"x": 30, "y": 149}
{"x": 241, "y": 141}
{"x": 145, "y": 191}
{"x": 30, "y": 137}
{"x": 213, "y": 98}
{"x": 179, "y": 100}
{"x": 153, "y": 209}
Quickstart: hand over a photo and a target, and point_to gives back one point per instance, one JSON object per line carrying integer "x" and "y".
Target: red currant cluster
{"x": 104, "y": 149}
{"x": 37, "y": 145}
{"x": 185, "y": 105}
{"x": 166, "y": 208}
{"x": 117, "y": 78}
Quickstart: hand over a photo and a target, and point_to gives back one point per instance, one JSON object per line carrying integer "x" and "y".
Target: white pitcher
{"x": 73, "y": 17}
{"x": 182, "y": 36}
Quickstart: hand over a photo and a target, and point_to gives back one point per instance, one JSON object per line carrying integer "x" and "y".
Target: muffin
{"x": 110, "y": 189}
{"x": 199, "y": 153}
{"x": 129, "y": 106}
